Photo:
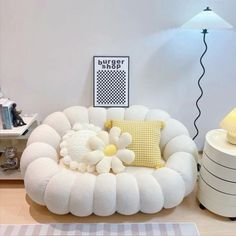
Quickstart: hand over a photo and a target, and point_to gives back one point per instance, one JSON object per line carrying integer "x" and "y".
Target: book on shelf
{"x": 2, "y": 100}
{"x": 6, "y": 115}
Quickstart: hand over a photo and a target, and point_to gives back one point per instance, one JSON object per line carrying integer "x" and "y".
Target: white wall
{"x": 46, "y": 50}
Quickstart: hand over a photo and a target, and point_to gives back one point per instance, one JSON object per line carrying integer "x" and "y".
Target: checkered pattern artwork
{"x": 111, "y": 81}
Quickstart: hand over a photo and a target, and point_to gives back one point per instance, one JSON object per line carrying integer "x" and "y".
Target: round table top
{"x": 217, "y": 139}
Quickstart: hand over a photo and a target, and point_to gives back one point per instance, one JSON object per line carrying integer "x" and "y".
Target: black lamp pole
{"x": 199, "y": 83}
{"x": 204, "y": 32}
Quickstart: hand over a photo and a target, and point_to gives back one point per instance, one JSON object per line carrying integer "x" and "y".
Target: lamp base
{"x": 231, "y": 138}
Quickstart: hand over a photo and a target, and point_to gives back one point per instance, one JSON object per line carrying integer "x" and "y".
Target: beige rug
{"x": 139, "y": 229}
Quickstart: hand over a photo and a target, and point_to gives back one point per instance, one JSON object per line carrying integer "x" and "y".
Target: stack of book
{"x": 5, "y": 113}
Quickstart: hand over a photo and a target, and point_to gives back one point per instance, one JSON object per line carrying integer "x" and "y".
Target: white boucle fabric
{"x": 127, "y": 194}
{"x": 104, "y": 201}
{"x": 157, "y": 114}
{"x": 137, "y": 189}
{"x": 45, "y": 134}
{"x": 172, "y": 186}
{"x": 76, "y": 144}
{"x": 77, "y": 114}
{"x": 139, "y": 170}
{"x": 35, "y": 151}
{"x": 81, "y": 197}
{"x": 115, "y": 113}
{"x": 37, "y": 176}
{"x": 57, "y": 194}
{"x": 184, "y": 164}
{"x": 151, "y": 196}
{"x": 136, "y": 112}
{"x": 181, "y": 143}
{"x": 97, "y": 116}
{"x": 171, "y": 129}
{"x": 59, "y": 122}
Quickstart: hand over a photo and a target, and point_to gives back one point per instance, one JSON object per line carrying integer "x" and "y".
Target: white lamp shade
{"x": 207, "y": 19}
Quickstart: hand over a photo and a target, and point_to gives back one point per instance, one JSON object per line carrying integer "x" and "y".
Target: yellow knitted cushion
{"x": 145, "y": 141}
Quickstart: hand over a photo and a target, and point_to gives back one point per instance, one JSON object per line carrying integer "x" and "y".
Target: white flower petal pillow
{"x": 109, "y": 151}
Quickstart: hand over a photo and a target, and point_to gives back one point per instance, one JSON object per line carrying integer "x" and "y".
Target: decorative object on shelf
{"x": 204, "y": 21}
{"x": 229, "y": 124}
{"x": 11, "y": 161}
{"x": 16, "y": 118}
{"x": 111, "y": 81}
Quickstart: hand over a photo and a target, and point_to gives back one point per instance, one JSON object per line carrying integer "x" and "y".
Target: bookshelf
{"x": 16, "y": 137}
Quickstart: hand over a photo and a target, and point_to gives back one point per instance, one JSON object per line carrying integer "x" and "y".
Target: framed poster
{"x": 111, "y": 81}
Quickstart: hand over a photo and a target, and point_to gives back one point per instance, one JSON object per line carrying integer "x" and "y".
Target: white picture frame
{"x": 111, "y": 81}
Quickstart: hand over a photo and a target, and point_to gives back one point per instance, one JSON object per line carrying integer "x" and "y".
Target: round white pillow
{"x": 74, "y": 145}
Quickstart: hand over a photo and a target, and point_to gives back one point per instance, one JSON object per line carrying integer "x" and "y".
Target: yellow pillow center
{"x": 110, "y": 150}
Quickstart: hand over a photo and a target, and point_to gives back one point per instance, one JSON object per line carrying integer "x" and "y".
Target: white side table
{"x": 217, "y": 181}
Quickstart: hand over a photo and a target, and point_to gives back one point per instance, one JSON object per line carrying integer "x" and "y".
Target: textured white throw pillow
{"x": 74, "y": 145}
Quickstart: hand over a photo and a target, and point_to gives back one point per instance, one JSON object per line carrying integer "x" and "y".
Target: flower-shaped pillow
{"x": 109, "y": 151}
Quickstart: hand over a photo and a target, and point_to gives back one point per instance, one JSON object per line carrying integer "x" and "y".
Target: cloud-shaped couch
{"x": 147, "y": 190}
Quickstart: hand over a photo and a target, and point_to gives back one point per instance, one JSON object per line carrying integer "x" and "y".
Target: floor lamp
{"x": 205, "y": 20}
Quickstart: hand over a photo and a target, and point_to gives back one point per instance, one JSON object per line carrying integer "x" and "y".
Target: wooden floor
{"x": 17, "y": 208}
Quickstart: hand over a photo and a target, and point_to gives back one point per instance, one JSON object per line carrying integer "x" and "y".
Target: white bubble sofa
{"x": 147, "y": 190}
